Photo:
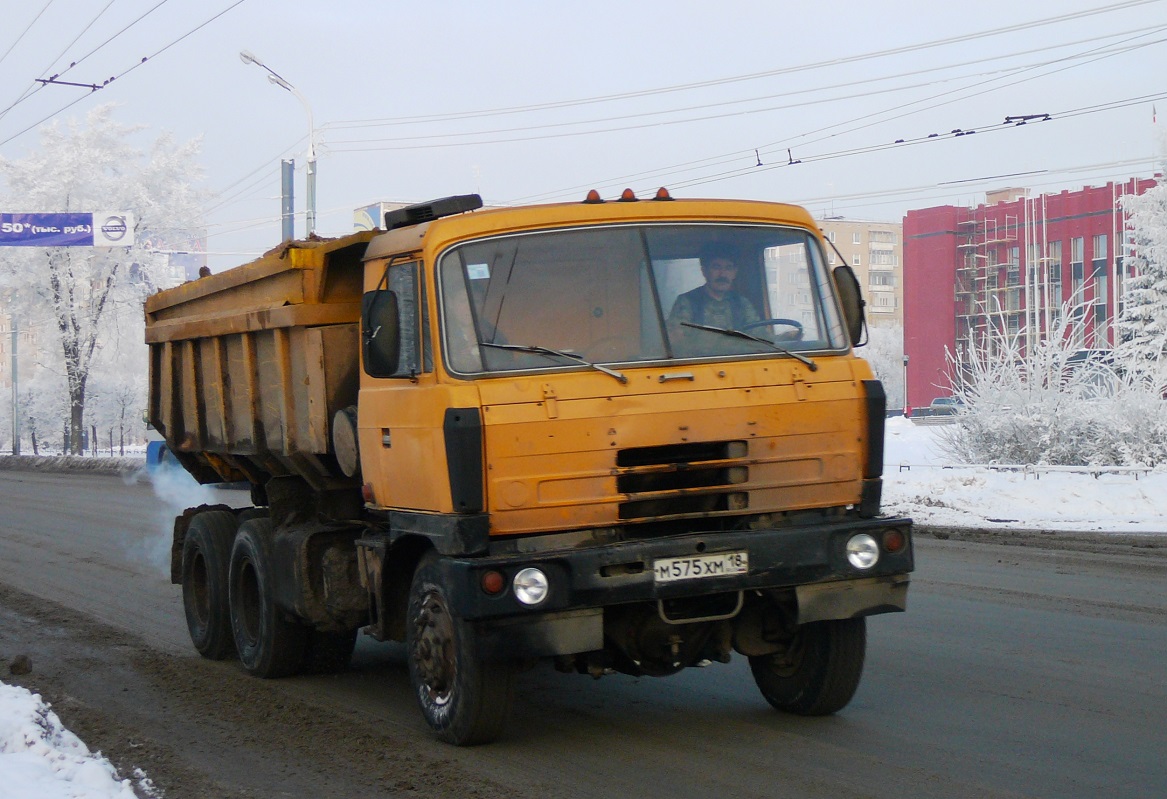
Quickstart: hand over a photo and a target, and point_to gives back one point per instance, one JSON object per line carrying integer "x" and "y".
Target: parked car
{"x": 945, "y": 405}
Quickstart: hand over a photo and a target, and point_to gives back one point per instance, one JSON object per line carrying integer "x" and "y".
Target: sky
{"x": 527, "y": 101}
{"x": 40, "y": 758}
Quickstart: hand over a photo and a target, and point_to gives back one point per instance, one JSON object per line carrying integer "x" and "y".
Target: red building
{"x": 1011, "y": 267}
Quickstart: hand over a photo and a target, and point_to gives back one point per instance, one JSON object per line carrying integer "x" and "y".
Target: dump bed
{"x": 248, "y": 366}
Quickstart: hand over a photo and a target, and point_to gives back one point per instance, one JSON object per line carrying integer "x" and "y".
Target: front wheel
{"x": 464, "y": 699}
{"x": 270, "y": 644}
{"x": 818, "y": 674}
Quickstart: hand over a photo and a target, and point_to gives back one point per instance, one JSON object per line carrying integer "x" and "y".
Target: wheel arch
{"x": 401, "y": 561}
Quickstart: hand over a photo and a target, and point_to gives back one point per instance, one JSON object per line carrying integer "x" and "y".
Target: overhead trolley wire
{"x": 751, "y": 76}
{"x": 36, "y": 86}
{"x": 24, "y": 32}
{"x": 125, "y": 72}
{"x": 878, "y": 117}
{"x": 848, "y": 84}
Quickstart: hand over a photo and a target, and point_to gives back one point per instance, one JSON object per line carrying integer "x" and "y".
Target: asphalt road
{"x": 1018, "y": 671}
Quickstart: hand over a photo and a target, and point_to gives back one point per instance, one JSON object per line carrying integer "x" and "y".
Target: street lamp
{"x": 248, "y": 57}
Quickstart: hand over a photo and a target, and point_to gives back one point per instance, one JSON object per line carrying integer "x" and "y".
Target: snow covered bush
{"x": 1055, "y": 404}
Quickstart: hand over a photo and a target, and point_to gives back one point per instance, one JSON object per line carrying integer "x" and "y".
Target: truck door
{"x": 399, "y": 418}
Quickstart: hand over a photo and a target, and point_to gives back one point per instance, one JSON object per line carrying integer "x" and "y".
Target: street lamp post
{"x": 249, "y": 58}
{"x": 906, "y": 382}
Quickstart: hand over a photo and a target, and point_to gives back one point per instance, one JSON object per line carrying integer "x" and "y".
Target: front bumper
{"x": 795, "y": 558}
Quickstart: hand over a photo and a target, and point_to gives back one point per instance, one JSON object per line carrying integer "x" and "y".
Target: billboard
{"x": 98, "y": 229}
{"x": 372, "y": 217}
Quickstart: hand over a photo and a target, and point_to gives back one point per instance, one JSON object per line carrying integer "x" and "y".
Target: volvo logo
{"x": 114, "y": 228}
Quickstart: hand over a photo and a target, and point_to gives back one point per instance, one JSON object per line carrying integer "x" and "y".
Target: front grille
{"x": 682, "y": 479}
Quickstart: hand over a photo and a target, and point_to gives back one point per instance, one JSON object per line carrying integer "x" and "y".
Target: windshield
{"x": 635, "y": 293}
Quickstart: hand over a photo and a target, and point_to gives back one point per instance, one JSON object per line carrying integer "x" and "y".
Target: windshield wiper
{"x": 548, "y": 351}
{"x": 739, "y": 334}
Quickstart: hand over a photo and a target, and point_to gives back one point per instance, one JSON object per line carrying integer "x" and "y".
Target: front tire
{"x": 820, "y": 671}
{"x": 465, "y": 700}
{"x": 269, "y": 643}
{"x": 206, "y": 558}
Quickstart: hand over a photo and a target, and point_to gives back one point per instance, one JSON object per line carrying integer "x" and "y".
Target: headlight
{"x": 862, "y": 551}
{"x": 531, "y": 586}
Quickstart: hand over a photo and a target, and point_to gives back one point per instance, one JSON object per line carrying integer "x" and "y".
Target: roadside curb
{"x": 1143, "y": 543}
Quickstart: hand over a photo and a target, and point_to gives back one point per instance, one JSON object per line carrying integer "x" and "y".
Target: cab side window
{"x": 391, "y": 327}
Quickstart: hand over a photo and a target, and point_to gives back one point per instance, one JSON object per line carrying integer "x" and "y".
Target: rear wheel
{"x": 206, "y": 557}
{"x": 464, "y": 699}
{"x": 819, "y": 672}
{"x": 270, "y": 644}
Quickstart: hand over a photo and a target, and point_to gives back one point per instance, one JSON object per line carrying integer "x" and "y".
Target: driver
{"x": 715, "y": 303}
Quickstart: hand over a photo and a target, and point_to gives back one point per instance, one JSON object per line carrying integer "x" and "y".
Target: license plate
{"x": 697, "y": 567}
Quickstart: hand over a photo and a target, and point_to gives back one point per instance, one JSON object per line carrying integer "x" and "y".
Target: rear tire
{"x": 820, "y": 671}
{"x": 464, "y": 699}
{"x": 270, "y": 644}
{"x": 206, "y": 558}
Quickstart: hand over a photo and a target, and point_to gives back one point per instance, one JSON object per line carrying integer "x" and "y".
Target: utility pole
{"x": 15, "y": 395}
{"x": 287, "y": 190}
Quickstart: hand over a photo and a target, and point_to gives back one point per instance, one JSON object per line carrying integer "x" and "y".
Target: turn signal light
{"x": 493, "y": 582}
{"x": 367, "y": 493}
{"x": 893, "y": 541}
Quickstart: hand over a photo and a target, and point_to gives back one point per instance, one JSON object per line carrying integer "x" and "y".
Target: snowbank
{"x": 919, "y": 482}
{"x": 71, "y": 463}
{"x": 40, "y": 758}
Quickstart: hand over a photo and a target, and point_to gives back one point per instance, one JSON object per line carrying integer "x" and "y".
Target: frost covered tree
{"x": 83, "y": 291}
{"x": 885, "y": 353}
{"x": 1142, "y": 326}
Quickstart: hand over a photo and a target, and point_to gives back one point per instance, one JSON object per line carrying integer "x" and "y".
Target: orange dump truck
{"x": 617, "y": 436}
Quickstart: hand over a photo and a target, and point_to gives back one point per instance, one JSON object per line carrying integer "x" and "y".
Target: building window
{"x": 831, "y": 236}
{"x": 831, "y": 257}
{"x": 882, "y": 279}
{"x": 881, "y": 258}
{"x": 1054, "y": 271}
{"x": 1098, "y": 247}
{"x": 856, "y": 238}
{"x": 1013, "y": 300}
{"x": 882, "y": 236}
{"x": 1077, "y": 267}
{"x": 855, "y": 261}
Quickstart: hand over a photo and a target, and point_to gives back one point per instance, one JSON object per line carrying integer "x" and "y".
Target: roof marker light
{"x": 627, "y": 196}
{"x": 662, "y": 194}
{"x": 593, "y": 197}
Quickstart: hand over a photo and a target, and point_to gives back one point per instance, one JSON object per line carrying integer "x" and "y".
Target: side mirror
{"x": 380, "y": 333}
{"x": 851, "y": 298}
